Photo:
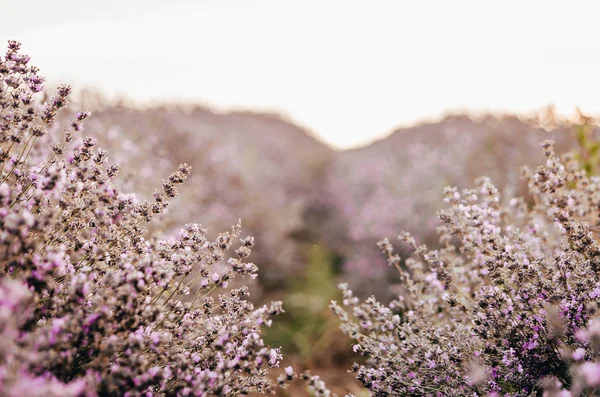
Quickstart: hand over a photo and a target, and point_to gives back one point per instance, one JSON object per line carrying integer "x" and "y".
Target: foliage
{"x": 308, "y": 330}
{"x": 589, "y": 148}
{"x": 90, "y": 303}
{"x": 507, "y": 307}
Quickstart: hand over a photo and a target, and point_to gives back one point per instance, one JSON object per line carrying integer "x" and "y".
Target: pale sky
{"x": 350, "y": 71}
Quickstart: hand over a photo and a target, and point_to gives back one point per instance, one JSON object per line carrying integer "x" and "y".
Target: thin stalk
{"x": 29, "y": 185}
{"x": 8, "y": 152}
{"x": 18, "y": 160}
{"x": 28, "y": 151}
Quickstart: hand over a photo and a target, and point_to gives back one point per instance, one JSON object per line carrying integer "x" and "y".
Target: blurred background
{"x": 325, "y": 125}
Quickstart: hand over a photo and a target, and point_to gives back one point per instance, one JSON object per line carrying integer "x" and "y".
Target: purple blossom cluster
{"x": 507, "y": 306}
{"x": 91, "y": 303}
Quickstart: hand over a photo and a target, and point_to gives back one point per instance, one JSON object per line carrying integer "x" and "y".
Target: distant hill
{"x": 396, "y": 183}
{"x": 291, "y": 190}
{"x": 257, "y": 167}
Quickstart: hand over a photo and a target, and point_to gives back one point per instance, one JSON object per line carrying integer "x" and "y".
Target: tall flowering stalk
{"x": 506, "y": 307}
{"x": 90, "y": 304}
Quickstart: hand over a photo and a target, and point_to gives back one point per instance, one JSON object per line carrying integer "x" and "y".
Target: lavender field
{"x": 180, "y": 250}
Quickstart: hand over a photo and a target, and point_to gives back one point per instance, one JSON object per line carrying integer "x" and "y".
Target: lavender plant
{"x": 91, "y": 304}
{"x": 508, "y": 306}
